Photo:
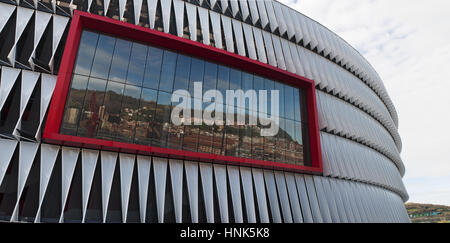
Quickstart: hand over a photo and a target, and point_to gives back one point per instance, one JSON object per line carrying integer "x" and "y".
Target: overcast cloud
{"x": 408, "y": 43}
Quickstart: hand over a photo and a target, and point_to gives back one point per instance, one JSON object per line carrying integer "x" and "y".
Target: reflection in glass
{"x": 129, "y": 112}
{"x": 182, "y": 73}
{"x": 103, "y": 55}
{"x": 146, "y": 113}
{"x": 162, "y": 119}
{"x": 136, "y": 67}
{"x": 110, "y": 111}
{"x": 120, "y": 61}
{"x": 153, "y": 68}
{"x": 91, "y": 108}
{"x": 168, "y": 71}
{"x": 86, "y": 50}
{"x": 74, "y": 104}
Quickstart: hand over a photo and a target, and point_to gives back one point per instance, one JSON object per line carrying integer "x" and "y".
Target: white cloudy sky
{"x": 408, "y": 43}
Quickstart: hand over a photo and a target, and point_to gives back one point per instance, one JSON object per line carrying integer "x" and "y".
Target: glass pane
{"x": 297, "y": 111}
{"x": 128, "y": 114}
{"x": 306, "y": 145}
{"x": 219, "y": 133}
{"x": 280, "y": 88}
{"x": 223, "y": 76}
{"x": 168, "y": 71}
{"x": 196, "y": 74}
{"x": 86, "y": 51}
{"x": 205, "y": 137}
{"x": 257, "y": 143}
{"x": 153, "y": 67}
{"x": 210, "y": 76}
{"x": 290, "y": 141}
{"x": 146, "y": 113}
{"x": 269, "y": 86}
{"x": 74, "y": 104}
{"x": 235, "y": 79}
{"x": 245, "y": 133}
{"x": 232, "y": 136}
{"x": 137, "y": 64}
{"x": 162, "y": 119}
{"x": 289, "y": 102}
{"x": 120, "y": 61}
{"x": 110, "y": 112}
{"x": 298, "y": 144}
{"x": 92, "y": 107}
{"x": 281, "y": 142}
{"x": 303, "y": 106}
{"x": 176, "y": 132}
{"x": 103, "y": 56}
{"x": 182, "y": 72}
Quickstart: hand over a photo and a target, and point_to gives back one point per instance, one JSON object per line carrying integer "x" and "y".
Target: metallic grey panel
{"x": 293, "y": 198}
{"x": 226, "y": 23}
{"x": 253, "y": 11}
{"x": 339, "y": 203}
{"x": 323, "y": 203}
{"x": 122, "y": 4}
{"x": 262, "y": 13}
{"x": 217, "y": 32}
{"x": 235, "y": 188}
{"x": 8, "y": 79}
{"x": 330, "y": 199}
{"x": 108, "y": 165}
{"x": 191, "y": 11}
{"x": 234, "y": 7}
{"x": 191, "y": 169}
{"x": 220, "y": 174}
{"x": 297, "y": 26}
{"x": 247, "y": 186}
{"x": 48, "y": 83}
{"x": 176, "y": 175}
{"x": 204, "y": 25}
{"x": 287, "y": 56}
{"x": 273, "y": 197}
{"x": 160, "y": 172}
{"x": 23, "y": 16}
{"x": 289, "y": 21}
{"x": 237, "y": 28}
{"x": 8, "y": 147}
{"x": 41, "y": 21}
{"x": 89, "y": 162}
{"x": 250, "y": 41}
{"x": 313, "y": 201}
{"x": 258, "y": 180}
{"x": 178, "y": 6}
{"x": 59, "y": 25}
{"x": 279, "y": 52}
{"x": 260, "y": 48}
{"x": 284, "y": 198}
{"x": 351, "y": 199}
{"x": 126, "y": 175}
{"x": 143, "y": 166}
{"x": 280, "y": 18}
{"x": 224, "y": 5}
{"x": 338, "y": 187}
{"x": 244, "y": 9}
{"x": 48, "y": 159}
{"x": 207, "y": 186}
{"x": 137, "y": 10}
{"x": 165, "y": 9}
{"x": 68, "y": 163}
{"x": 28, "y": 82}
{"x": 304, "y": 201}
{"x": 271, "y": 13}
{"x": 296, "y": 59}
{"x": 6, "y": 10}
{"x": 269, "y": 48}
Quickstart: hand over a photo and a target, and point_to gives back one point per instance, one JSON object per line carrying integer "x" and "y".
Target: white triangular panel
{"x": 247, "y": 185}
{"x": 41, "y": 22}
{"x": 68, "y": 162}
{"x": 126, "y": 176}
{"x": 220, "y": 174}
{"x": 204, "y": 25}
{"x": 224, "y": 5}
{"x": 166, "y": 5}
{"x": 89, "y": 5}
{"x": 23, "y": 16}
{"x": 122, "y": 4}
{"x": 192, "y": 187}
{"x": 6, "y": 10}
{"x": 258, "y": 180}
{"x": 235, "y": 188}
{"x": 137, "y": 10}
{"x": 176, "y": 174}
{"x": 27, "y": 153}
{"x": 48, "y": 83}
{"x": 160, "y": 172}
{"x": 59, "y": 25}
{"x": 8, "y": 78}
{"x": 207, "y": 186}
{"x": 29, "y": 80}
{"x": 106, "y": 6}
{"x": 151, "y": 5}
{"x": 108, "y": 165}
{"x": 8, "y": 147}
{"x": 49, "y": 153}
{"x": 89, "y": 162}
{"x": 191, "y": 11}
{"x": 178, "y": 6}
{"x": 143, "y": 165}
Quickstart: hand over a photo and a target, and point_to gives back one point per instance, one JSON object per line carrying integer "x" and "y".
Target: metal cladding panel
{"x": 126, "y": 176}
{"x": 282, "y": 27}
{"x": 259, "y": 43}
{"x": 323, "y": 203}
{"x": 235, "y": 189}
{"x": 313, "y": 200}
{"x": 293, "y": 198}
{"x": 262, "y": 13}
{"x": 287, "y": 56}
{"x": 226, "y": 23}
{"x": 178, "y": 6}
{"x": 29, "y": 81}
{"x": 330, "y": 199}
{"x": 254, "y": 11}
{"x": 8, "y": 147}
{"x": 160, "y": 172}
{"x": 143, "y": 168}
{"x": 191, "y": 169}
{"x": 304, "y": 200}
{"x": 258, "y": 180}
{"x": 247, "y": 189}
{"x": 217, "y": 32}
{"x": 244, "y": 9}
{"x": 176, "y": 176}
{"x": 272, "y": 18}
{"x": 6, "y": 10}
{"x": 204, "y": 25}
{"x": 272, "y": 194}
{"x": 248, "y": 33}
{"x": 237, "y": 30}
{"x": 284, "y": 198}
{"x": 207, "y": 187}
{"x": 191, "y": 11}
{"x": 108, "y": 165}
{"x": 89, "y": 163}
{"x": 269, "y": 48}
{"x": 279, "y": 52}
{"x": 220, "y": 175}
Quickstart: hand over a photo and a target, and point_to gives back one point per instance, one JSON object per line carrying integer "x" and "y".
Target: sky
{"x": 408, "y": 43}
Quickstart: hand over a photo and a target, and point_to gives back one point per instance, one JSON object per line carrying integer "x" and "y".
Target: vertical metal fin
{"x": 108, "y": 165}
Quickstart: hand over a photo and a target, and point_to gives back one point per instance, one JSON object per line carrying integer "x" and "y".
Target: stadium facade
{"x": 86, "y": 132}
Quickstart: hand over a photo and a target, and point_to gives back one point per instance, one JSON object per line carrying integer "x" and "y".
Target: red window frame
{"x": 83, "y": 20}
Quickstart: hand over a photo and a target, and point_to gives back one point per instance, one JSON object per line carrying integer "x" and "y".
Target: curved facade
{"x": 357, "y": 179}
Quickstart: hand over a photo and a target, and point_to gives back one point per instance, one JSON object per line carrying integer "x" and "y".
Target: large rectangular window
{"x": 121, "y": 91}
